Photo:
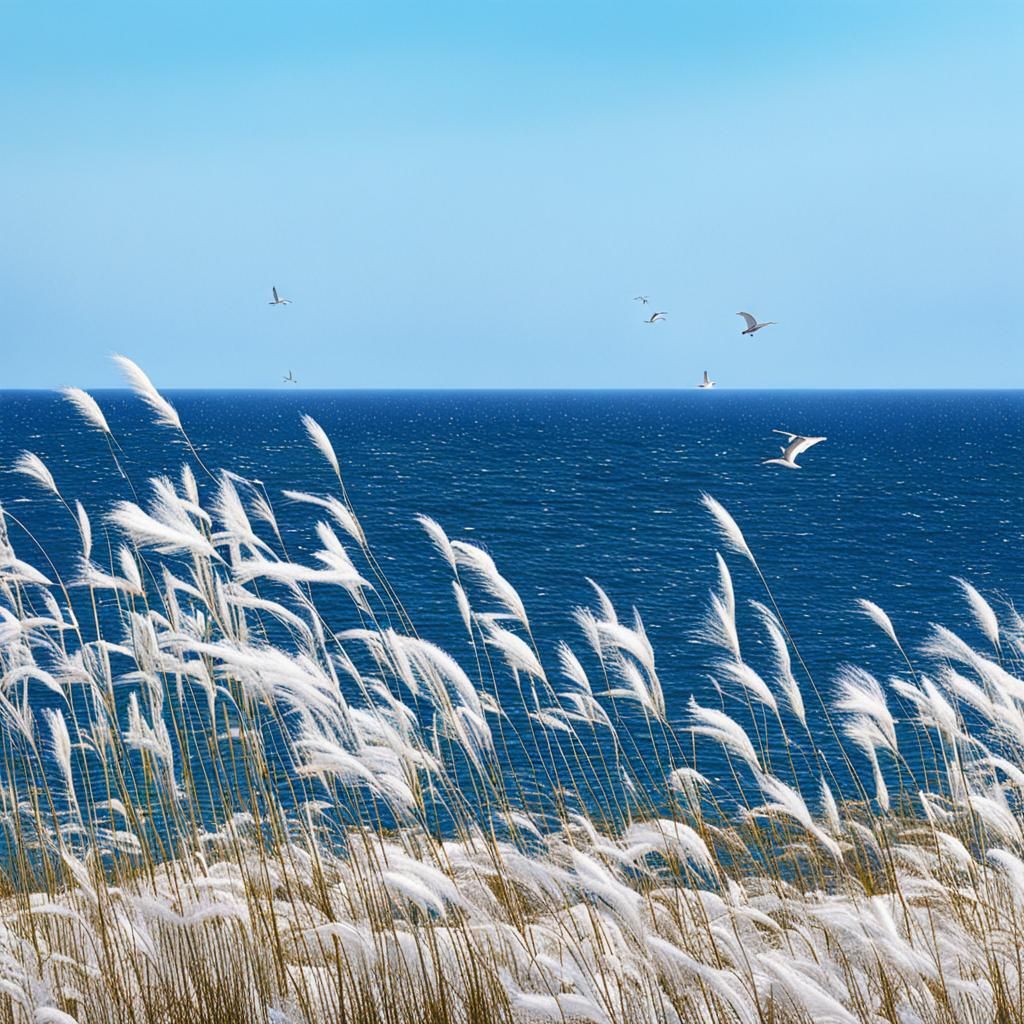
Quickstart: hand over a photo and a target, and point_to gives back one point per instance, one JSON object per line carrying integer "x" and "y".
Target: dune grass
{"x": 224, "y": 800}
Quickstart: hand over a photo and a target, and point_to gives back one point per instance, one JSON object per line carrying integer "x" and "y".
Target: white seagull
{"x": 707, "y": 382}
{"x": 655, "y": 317}
{"x": 290, "y": 379}
{"x": 798, "y": 444}
{"x": 752, "y": 323}
{"x": 641, "y": 298}
{"x": 277, "y": 300}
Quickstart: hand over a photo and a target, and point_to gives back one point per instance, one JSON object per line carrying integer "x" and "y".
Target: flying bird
{"x": 655, "y": 317}
{"x": 753, "y": 326}
{"x": 641, "y": 298}
{"x": 796, "y": 447}
{"x": 290, "y": 379}
{"x": 277, "y": 300}
{"x": 707, "y": 382}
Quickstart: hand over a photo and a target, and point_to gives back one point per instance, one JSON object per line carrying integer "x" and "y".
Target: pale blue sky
{"x": 469, "y": 195}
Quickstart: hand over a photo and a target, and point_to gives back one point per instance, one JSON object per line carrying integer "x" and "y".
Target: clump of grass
{"x": 226, "y": 799}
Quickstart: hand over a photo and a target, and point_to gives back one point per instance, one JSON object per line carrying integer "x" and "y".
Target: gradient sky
{"x": 469, "y": 195}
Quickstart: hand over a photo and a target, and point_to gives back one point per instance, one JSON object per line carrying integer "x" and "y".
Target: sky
{"x": 469, "y": 195}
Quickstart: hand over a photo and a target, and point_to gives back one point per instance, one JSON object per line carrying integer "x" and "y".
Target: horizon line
{"x": 555, "y": 389}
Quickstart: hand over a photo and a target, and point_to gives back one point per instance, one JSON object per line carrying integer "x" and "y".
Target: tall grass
{"x": 225, "y": 801}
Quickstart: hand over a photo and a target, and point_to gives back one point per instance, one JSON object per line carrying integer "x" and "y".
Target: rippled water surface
{"x": 909, "y": 490}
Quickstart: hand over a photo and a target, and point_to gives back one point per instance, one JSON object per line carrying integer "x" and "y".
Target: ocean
{"x": 910, "y": 490}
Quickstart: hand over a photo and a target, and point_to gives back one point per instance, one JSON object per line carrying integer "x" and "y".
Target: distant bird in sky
{"x": 277, "y": 300}
{"x": 290, "y": 379}
{"x": 641, "y": 298}
{"x": 655, "y": 317}
{"x": 707, "y": 382}
{"x": 752, "y": 323}
{"x": 797, "y": 446}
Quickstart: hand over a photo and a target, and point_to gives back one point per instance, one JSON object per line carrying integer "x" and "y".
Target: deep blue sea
{"x": 910, "y": 489}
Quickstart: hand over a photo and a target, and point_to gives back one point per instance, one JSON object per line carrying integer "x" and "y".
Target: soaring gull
{"x": 753, "y": 326}
{"x": 796, "y": 447}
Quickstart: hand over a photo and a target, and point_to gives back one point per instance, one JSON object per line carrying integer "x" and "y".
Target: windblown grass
{"x": 223, "y": 803}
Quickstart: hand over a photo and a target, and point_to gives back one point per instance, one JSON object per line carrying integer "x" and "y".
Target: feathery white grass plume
{"x": 689, "y": 782}
{"x": 188, "y": 485}
{"x": 475, "y": 558}
{"x": 319, "y": 437}
{"x": 566, "y": 1006}
{"x": 720, "y": 727}
{"x": 130, "y": 568}
{"x": 1013, "y": 868}
{"x": 586, "y": 708}
{"x": 14, "y": 570}
{"x": 932, "y": 707}
{"x": 87, "y": 406}
{"x": 944, "y": 643}
{"x": 60, "y": 743}
{"x": 596, "y": 879}
{"x": 228, "y": 508}
{"x": 829, "y": 807}
{"x": 517, "y": 651}
{"x": 165, "y": 537}
{"x": 1012, "y": 771}
{"x": 463, "y": 603}
{"x": 984, "y": 616}
{"x": 89, "y": 575}
{"x": 440, "y": 539}
{"x": 724, "y": 984}
{"x": 783, "y": 664}
{"x": 728, "y": 527}
{"x": 998, "y": 817}
{"x": 725, "y": 580}
{"x": 341, "y": 513}
{"x": 587, "y": 622}
{"x": 32, "y": 466}
{"x": 787, "y": 802}
{"x": 51, "y": 1015}
{"x": 675, "y": 838}
{"x": 971, "y": 693}
{"x": 861, "y": 693}
{"x": 549, "y": 720}
{"x": 881, "y": 789}
{"x": 84, "y": 529}
{"x": 645, "y": 689}
{"x": 743, "y": 675}
{"x": 879, "y": 617}
{"x": 608, "y": 612}
{"x": 571, "y": 667}
{"x": 262, "y": 510}
{"x": 811, "y": 998}
{"x": 437, "y": 666}
{"x": 143, "y": 387}
{"x": 632, "y": 641}
{"x": 719, "y": 626}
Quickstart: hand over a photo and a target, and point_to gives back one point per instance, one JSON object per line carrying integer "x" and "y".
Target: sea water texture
{"x": 606, "y": 813}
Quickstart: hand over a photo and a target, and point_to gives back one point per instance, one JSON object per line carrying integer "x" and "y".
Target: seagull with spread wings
{"x": 753, "y": 325}
{"x": 655, "y": 318}
{"x": 277, "y": 300}
{"x": 707, "y": 382}
{"x": 290, "y": 379}
{"x": 641, "y": 298}
{"x": 798, "y": 444}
